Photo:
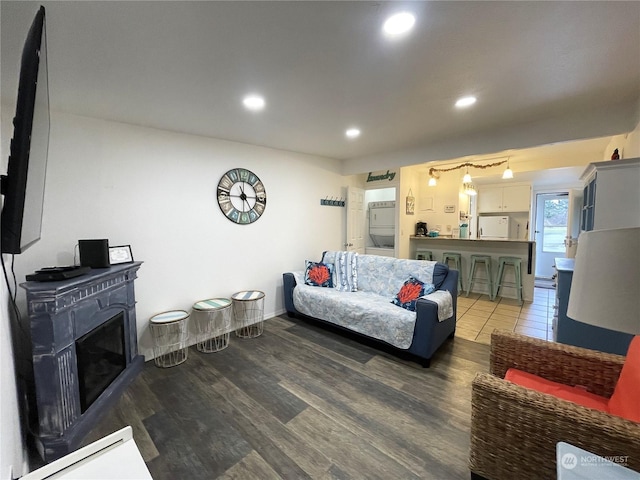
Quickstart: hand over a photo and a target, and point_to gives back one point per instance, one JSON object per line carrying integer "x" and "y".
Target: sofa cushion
{"x": 318, "y": 274}
{"x": 362, "y": 312}
{"x": 625, "y": 401}
{"x": 565, "y": 392}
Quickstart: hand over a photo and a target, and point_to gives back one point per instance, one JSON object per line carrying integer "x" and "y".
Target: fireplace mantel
{"x": 60, "y": 314}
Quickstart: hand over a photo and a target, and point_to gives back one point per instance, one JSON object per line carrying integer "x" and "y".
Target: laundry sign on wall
{"x": 387, "y": 176}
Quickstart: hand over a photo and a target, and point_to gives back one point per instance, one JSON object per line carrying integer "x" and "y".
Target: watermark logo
{"x": 569, "y": 461}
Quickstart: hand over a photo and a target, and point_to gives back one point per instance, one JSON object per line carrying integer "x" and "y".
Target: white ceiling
{"x": 542, "y": 71}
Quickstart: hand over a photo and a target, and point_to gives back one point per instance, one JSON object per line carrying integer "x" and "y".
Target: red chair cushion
{"x": 565, "y": 392}
{"x": 625, "y": 401}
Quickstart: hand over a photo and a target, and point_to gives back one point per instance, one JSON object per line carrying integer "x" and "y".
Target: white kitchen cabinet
{"x": 512, "y": 198}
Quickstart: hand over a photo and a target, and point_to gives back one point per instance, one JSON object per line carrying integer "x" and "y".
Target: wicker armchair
{"x": 514, "y": 430}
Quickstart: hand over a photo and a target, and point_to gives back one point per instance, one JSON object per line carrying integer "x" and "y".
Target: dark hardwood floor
{"x": 303, "y": 402}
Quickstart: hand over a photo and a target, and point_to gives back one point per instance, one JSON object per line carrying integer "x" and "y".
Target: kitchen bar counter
{"x": 464, "y": 240}
{"x": 523, "y": 249}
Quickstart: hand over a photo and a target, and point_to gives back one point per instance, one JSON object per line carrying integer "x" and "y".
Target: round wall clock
{"x": 241, "y": 196}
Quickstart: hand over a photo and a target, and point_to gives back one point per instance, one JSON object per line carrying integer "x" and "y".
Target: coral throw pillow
{"x": 318, "y": 274}
{"x": 409, "y": 293}
{"x": 625, "y": 401}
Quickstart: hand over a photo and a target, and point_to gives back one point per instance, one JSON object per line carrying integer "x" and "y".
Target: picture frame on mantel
{"x": 120, "y": 254}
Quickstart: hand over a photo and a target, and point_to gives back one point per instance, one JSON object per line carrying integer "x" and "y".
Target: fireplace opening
{"x": 101, "y": 358}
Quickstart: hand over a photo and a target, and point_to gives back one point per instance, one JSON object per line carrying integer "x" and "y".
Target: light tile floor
{"x": 478, "y": 316}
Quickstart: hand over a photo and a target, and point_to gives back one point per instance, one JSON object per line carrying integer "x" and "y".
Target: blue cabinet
{"x": 571, "y": 332}
{"x": 611, "y": 195}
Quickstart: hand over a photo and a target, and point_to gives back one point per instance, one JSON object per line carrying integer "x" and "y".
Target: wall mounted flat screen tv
{"x": 23, "y": 186}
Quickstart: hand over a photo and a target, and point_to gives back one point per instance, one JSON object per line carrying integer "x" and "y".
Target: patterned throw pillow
{"x": 410, "y": 292}
{"x": 318, "y": 274}
{"x": 345, "y": 271}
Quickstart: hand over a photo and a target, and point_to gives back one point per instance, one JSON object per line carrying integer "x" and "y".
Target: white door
{"x": 573, "y": 222}
{"x": 355, "y": 220}
{"x": 552, "y": 215}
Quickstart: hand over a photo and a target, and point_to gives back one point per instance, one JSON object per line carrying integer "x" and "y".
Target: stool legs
{"x": 457, "y": 259}
{"x": 472, "y": 270}
{"x": 516, "y": 263}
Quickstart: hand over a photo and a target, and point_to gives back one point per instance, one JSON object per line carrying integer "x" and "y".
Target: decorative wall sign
{"x": 449, "y": 209}
{"x": 376, "y": 177}
{"x": 241, "y": 196}
{"x": 411, "y": 203}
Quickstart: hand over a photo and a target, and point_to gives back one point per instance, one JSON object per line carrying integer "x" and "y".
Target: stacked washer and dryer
{"x": 382, "y": 228}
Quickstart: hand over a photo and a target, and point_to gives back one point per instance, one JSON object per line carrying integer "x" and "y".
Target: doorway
{"x": 381, "y": 198}
{"x": 552, "y": 220}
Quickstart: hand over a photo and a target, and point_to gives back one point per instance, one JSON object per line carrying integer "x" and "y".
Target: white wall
{"x": 156, "y": 191}
{"x": 12, "y": 451}
{"x": 628, "y": 145}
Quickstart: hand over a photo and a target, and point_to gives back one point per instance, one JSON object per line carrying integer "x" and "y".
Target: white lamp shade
{"x": 605, "y": 290}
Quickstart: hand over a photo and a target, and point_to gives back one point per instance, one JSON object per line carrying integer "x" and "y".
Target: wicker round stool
{"x": 170, "y": 331}
{"x": 248, "y": 313}
{"x": 213, "y": 322}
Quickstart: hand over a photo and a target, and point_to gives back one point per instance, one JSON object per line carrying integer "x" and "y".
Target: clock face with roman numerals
{"x": 241, "y": 196}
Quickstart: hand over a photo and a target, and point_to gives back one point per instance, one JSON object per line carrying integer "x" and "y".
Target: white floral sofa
{"x": 360, "y": 297}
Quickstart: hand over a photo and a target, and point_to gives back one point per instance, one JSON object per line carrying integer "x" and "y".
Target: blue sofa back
{"x": 385, "y": 275}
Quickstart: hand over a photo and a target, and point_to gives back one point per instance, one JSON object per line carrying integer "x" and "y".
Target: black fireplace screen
{"x": 101, "y": 357}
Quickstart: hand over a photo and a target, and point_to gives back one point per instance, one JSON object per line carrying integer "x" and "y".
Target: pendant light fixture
{"x": 467, "y": 177}
{"x": 508, "y": 173}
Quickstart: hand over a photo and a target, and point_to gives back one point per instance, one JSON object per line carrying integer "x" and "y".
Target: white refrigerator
{"x": 493, "y": 228}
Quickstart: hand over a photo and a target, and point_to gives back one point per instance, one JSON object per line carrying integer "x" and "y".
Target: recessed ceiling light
{"x": 352, "y": 133}
{"x": 466, "y": 101}
{"x": 254, "y": 102}
{"x": 399, "y": 23}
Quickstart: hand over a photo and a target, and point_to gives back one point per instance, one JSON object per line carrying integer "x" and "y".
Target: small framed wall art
{"x": 120, "y": 254}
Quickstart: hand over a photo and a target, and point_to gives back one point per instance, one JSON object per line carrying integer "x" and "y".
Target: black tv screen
{"x": 23, "y": 186}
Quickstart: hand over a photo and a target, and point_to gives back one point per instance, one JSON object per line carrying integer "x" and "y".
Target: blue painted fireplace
{"x": 84, "y": 352}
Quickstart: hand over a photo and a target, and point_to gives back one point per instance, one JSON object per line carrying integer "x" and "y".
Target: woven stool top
{"x": 170, "y": 316}
{"x": 212, "y": 304}
{"x": 248, "y": 295}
